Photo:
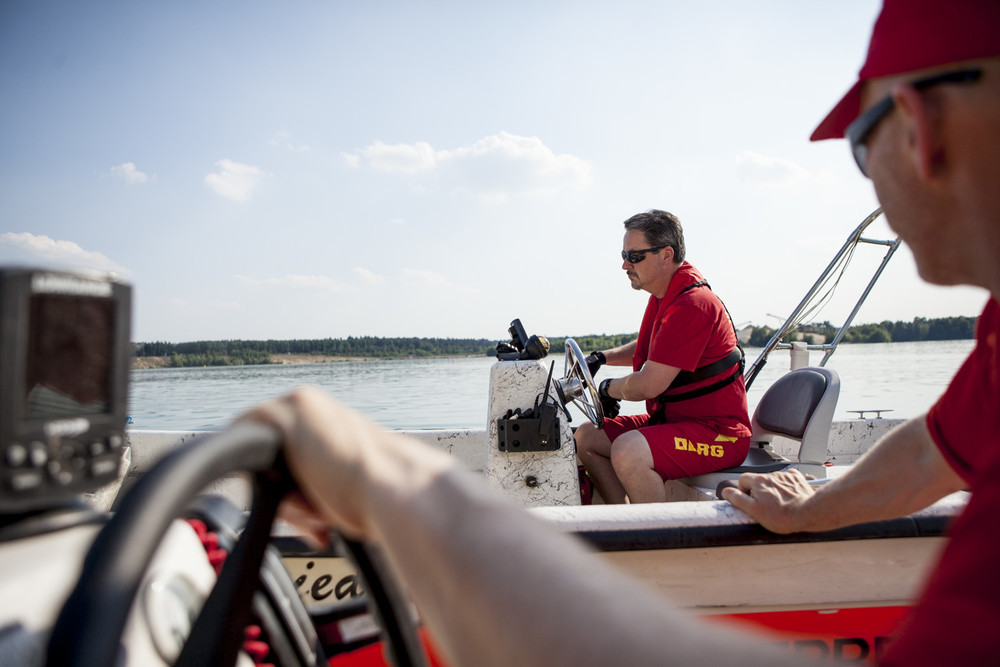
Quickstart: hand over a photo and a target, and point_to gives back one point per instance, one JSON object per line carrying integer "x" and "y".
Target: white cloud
{"x": 284, "y": 140}
{"x": 294, "y": 282}
{"x": 368, "y": 276}
{"x": 353, "y": 161}
{"x": 28, "y": 249}
{"x": 765, "y": 171}
{"x": 128, "y": 173}
{"x": 400, "y": 158}
{"x": 495, "y": 167}
{"x": 234, "y": 180}
{"x": 215, "y": 306}
{"x": 422, "y": 278}
{"x": 506, "y": 164}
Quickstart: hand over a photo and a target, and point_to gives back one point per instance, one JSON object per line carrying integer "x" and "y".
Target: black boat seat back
{"x": 798, "y": 406}
{"x": 789, "y": 403}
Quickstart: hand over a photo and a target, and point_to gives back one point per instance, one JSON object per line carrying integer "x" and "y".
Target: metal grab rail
{"x": 806, "y": 306}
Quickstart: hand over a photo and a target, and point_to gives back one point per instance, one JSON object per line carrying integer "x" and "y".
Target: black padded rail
{"x": 701, "y": 537}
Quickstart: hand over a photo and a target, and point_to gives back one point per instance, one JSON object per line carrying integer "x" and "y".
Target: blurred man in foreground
{"x": 924, "y": 124}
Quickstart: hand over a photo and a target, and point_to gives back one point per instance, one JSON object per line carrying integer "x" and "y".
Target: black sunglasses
{"x": 858, "y": 131}
{"x": 636, "y": 256}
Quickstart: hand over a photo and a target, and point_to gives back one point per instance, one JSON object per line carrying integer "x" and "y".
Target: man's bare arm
{"x": 621, "y": 355}
{"x": 495, "y": 585}
{"x": 648, "y": 382}
{"x": 903, "y": 473}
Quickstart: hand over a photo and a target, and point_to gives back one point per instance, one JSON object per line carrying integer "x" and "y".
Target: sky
{"x": 262, "y": 170}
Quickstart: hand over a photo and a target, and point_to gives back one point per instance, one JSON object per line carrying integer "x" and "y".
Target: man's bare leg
{"x": 632, "y": 463}
{"x": 594, "y": 451}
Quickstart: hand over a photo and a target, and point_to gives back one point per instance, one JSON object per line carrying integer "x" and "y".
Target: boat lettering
{"x": 700, "y": 448}
{"x": 851, "y": 650}
{"x": 319, "y": 588}
{"x": 853, "y": 635}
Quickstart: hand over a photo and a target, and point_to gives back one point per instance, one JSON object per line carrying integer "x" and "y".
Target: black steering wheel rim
{"x": 91, "y": 623}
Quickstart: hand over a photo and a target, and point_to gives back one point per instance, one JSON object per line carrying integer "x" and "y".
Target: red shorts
{"x": 683, "y": 449}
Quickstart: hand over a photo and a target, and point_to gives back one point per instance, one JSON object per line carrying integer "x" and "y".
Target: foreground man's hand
{"x": 775, "y": 500}
{"x": 338, "y": 457}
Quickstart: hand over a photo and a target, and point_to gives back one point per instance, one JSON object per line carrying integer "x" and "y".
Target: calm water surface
{"x": 452, "y": 393}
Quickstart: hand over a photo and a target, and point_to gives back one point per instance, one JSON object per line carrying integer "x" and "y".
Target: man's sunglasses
{"x": 636, "y": 256}
{"x": 858, "y": 132}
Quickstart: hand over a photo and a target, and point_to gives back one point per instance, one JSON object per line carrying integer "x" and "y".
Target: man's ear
{"x": 922, "y": 135}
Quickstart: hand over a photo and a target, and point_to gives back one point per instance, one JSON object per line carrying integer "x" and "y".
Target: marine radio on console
{"x": 64, "y": 356}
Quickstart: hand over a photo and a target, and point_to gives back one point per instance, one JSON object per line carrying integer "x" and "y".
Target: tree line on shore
{"x": 920, "y": 328}
{"x": 242, "y": 352}
{"x": 239, "y": 352}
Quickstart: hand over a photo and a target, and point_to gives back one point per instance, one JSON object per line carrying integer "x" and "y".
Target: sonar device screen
{"x": 69, "y": 361}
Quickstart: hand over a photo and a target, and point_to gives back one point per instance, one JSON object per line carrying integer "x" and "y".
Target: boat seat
{"x": 798, "y": 406}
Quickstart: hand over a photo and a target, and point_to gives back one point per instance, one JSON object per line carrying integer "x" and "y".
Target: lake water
{"x": 452, "y": 393}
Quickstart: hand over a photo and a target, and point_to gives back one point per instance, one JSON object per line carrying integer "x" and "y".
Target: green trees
{"x": 592, "y": 342}
{"x": 921, "y": 328}
{"x": 239, "y": 352}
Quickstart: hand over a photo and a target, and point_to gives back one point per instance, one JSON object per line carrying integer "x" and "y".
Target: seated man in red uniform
{"x": 687, "y": 367}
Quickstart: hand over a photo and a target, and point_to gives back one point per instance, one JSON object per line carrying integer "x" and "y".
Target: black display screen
{"x": 70, "y": 356}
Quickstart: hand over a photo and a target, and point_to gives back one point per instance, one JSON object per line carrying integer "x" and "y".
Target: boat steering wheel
{"x": 578, "y": 387}
{"x": 90, "y": 625}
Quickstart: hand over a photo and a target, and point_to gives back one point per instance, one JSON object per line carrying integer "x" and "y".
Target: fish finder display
{"x": 64, "y": 354}
{"x": 69, "y": 356}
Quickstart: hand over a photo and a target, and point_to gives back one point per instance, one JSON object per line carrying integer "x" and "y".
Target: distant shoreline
{"x": 143, "y": 363}
{"x": 197, "y": 354}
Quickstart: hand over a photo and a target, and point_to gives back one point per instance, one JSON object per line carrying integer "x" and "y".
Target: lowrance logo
{"x": 52, "y": 283}
{"x": 67, "y": 428}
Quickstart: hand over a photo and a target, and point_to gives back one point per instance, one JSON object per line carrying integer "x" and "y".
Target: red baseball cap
{"x": 912, "y": 35}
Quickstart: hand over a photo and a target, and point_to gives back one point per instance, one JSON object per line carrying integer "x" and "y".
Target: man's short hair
{"x": 661, "y": 229}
